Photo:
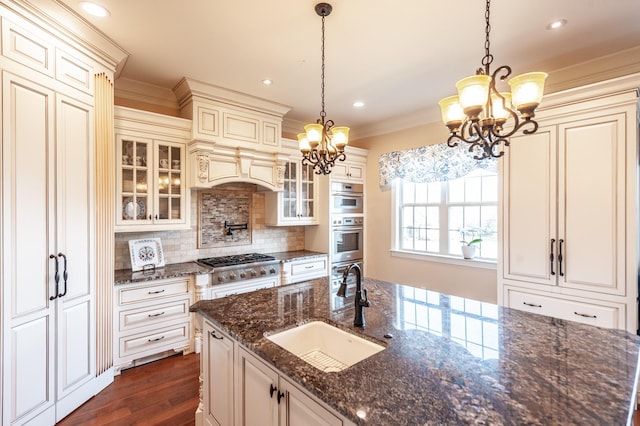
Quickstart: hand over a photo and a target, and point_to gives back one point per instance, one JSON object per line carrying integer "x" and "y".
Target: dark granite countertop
{"x": 126, "y": 276}
{"x": 451, "y": 360}
{"x": 287, "y": 256}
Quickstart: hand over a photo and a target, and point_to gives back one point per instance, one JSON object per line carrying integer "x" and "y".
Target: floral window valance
{"x": 431, "y": 163}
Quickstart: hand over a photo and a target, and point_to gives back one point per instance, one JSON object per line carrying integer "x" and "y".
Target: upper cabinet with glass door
{"x": 150, "y": 181}
{"x": 297, "y": 203}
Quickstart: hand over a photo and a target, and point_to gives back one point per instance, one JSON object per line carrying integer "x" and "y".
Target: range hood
{"x": 234, "y": 137}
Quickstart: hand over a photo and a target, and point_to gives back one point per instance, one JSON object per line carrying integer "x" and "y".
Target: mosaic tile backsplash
{"x": 182, "y": 246}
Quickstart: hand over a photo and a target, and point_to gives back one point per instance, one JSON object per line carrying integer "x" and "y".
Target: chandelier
{"x": 322, "y": 144}
{"x": 484, "y": 117}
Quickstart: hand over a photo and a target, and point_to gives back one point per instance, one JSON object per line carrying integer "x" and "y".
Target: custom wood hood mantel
{"x": 235, "y": 137}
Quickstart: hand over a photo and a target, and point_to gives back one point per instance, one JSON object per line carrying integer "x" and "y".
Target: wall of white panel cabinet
{"x": 569, "y": 218}
{"x": 48, "y": 282}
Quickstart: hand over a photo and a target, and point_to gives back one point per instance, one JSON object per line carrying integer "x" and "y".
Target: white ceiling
{"x": 398, "y": 57}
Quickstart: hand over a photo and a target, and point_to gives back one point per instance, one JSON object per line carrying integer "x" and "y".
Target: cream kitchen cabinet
{"x": 568, "y": 209}
{"x": 348, "y": 171}
{"x": 240, "y": 389}
{"x": 304, "y": 269}
{"x": 151, "y": 172}
{"x": 151, "y": 318}
{"x": 218, "y": 364}
{"x": 47, "y": 219}
{"x": 296, "y": 204}
{"x": 267, "y": 398}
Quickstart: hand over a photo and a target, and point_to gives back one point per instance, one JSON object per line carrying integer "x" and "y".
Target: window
{"x": 433, "y": 218}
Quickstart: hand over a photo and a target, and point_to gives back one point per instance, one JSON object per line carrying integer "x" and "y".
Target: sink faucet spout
{"x": 361, "y": 299}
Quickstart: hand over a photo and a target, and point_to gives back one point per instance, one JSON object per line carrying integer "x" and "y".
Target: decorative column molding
{"x": 104, "y": 220}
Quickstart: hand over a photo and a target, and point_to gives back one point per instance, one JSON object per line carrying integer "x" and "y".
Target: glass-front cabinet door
{"x": 306, "y": 200}
{"x": 296, "y": 204}
{"x": 150, "y": 183}
{"x": 133, "y": 180}
{"x": 169, "y": 195}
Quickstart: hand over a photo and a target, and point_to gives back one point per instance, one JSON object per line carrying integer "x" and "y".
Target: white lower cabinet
{"x": 217, "y": 394}
{"x": 304, "y": 269}
{"x": 240, "y": 389}
{"x": 151, "y": 317}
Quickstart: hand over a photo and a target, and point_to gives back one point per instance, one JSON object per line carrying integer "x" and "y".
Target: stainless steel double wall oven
{"x": 347, "y": 222}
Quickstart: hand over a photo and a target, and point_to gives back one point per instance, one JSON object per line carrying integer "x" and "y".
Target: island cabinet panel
{"x": 299, "y": 409}
{"x": 240, "y": 389}
{"x": 268, "y": 398}
{"x": 568, "y": 208}
{"x": 218, "y": 359}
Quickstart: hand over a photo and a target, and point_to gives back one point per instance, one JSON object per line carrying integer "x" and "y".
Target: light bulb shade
{"x": 451, "y": 110}
{"x": 314, "y": 133}
{"x": 303, "y": 143}
{"x": 500, "y": 107}
{"x": 340, "y": 137}
{"x": 473, "y": 93}
{"x": 526, "y": 91}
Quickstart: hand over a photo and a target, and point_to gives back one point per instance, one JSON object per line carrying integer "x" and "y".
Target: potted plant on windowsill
{"x": 468, "y": 247}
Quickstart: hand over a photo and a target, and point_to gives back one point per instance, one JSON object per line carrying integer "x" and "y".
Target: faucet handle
{"x": 364, "y": 300}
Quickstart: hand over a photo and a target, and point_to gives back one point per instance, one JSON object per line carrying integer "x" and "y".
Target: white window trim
{"x": 478, "y": 263}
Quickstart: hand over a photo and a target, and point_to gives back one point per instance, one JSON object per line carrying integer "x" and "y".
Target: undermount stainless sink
{"x": 324, "y": 346}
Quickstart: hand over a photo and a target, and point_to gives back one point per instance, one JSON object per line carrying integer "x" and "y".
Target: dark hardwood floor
{"x": 163, "y": 392}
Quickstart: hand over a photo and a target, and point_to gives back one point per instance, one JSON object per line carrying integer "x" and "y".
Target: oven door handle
{"x": 348, "y": 228}
{"x": 347, "y": 194}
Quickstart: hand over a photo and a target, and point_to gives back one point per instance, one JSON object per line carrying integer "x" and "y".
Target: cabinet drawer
{"x": 155, "y": 341}
{"x": 133, "y": 318}
{"x": 153, "y": 291}
{"x": 600, "y": 315}
{"x": 219, "y": 291}
{"x": 313, "y": 266}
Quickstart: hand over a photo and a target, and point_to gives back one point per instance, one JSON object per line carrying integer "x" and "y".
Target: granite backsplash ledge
{"x": 182, "y": 246}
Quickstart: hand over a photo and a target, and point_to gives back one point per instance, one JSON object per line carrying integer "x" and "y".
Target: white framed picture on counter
{"x": 146, "y": 254}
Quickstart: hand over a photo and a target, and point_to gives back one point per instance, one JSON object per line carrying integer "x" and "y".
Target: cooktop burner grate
{"x": 237, "y": 259}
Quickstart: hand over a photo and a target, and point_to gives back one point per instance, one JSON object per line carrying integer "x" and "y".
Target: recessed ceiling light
{"x": 94, "y": 9}
{"x": 559, "y": 23}
{"x": 358, "y": 104}
{"x": 267, "y": 82}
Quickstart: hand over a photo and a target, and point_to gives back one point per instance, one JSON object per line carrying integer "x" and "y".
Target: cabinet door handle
{"x": 156, "y": 292}
{"x": 56, "y": 276}
{"x": 65, "y": 274}
{"x": 585, "y": 315}
{"x": 533, "y": 305}
{"x": 309, "y": 267}
{"x": 155, "y": 340}
{"x": 272, "y": 389}
{"x": 280, "y": 396}
{"x": 215, "y": 336}
{"x": 560, "y": 258}
{"x": 551, "y": 256}
{"x": 150, "y": 217}
{"x": 156, "y": 315}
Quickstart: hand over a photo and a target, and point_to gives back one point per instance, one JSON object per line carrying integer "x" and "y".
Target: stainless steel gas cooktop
{"x": 236, "y": 259}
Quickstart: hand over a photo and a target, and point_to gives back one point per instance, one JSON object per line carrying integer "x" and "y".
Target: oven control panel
{"x": 245, "y": 273}
{"x": 348, "y": 221}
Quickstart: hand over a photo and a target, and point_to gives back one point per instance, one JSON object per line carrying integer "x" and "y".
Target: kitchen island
{"x": 450, "y": 360}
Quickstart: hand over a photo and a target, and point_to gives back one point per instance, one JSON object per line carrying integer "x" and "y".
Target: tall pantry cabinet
{"x": 47, "y": 223}
{"x": 569, "y": 209}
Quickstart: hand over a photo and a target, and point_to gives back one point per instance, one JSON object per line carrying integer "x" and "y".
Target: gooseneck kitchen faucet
{"x": 361, "y": 300}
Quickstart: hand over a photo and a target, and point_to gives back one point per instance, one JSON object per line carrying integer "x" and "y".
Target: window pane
{"x": 468, "y": 203}
{"x": 421, "y": 193}
{"x": 408, "y": 192}
{"x": 434, "y": 192}
{"x": 473, "y": 189}
{"x": 456, "y": 191}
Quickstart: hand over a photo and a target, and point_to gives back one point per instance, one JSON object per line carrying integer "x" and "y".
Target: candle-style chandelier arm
{"x": 484, "y": 117}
